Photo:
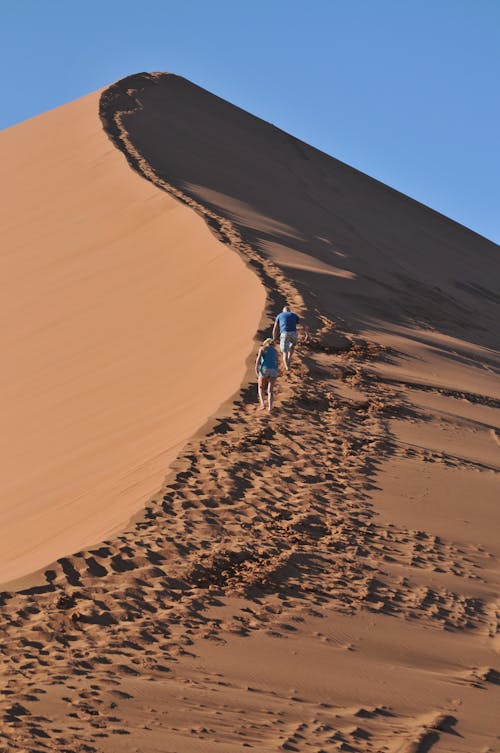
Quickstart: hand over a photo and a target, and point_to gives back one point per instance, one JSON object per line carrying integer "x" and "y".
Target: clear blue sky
{"x": 407, "y": 91}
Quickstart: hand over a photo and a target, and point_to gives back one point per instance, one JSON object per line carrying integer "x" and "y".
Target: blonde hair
{"x": 267, "y": 342}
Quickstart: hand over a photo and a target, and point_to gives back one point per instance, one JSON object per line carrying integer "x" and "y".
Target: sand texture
{"x": 324, "y": 578}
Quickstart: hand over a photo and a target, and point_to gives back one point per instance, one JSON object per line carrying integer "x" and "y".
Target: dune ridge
{"x": 320, "y": 578}
{"x": 115, "y": 104}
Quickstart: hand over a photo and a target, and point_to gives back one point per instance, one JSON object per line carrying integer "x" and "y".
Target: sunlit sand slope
{"x": 125, "y": 324}
{"x": 324, "y": 578}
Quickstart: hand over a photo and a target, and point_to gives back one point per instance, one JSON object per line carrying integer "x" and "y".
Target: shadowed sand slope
{"x": 368, "y": 251}
{"x": 114, "y": 309}
{"x": 324, "y": 578}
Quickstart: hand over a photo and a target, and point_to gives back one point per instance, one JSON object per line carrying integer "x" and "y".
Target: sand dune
{"x": 115, "y": 306}
{"x": 324, "y": 578}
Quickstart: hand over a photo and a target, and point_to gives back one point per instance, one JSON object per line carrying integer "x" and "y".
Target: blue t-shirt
{"x": 268, "y": 359}
{"x": 287, "y": 321}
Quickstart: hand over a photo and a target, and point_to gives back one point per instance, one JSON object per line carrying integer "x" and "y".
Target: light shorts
{"x": 287, "y": 339}
{"x": 268, "y": 373}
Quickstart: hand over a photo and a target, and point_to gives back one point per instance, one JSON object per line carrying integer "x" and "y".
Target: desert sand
{"x": 115, "y": 306}
{"x": 323, "y": 578}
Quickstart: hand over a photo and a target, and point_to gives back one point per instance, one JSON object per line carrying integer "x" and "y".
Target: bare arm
{"x": 257, "y": 360}
{"x": 275, "y": 330}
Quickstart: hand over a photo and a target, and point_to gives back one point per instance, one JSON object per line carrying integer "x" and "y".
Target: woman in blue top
{"x": 266, "y": 368}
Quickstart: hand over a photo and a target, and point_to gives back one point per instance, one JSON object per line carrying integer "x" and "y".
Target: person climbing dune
{"x": 287, "y": 323}
{"x": 266, "y": 368}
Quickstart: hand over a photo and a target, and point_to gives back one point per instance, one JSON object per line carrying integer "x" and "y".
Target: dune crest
{"x": 327, "y": 577}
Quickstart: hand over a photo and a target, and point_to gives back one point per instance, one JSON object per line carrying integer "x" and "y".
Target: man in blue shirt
{"x": 287, "y": 322}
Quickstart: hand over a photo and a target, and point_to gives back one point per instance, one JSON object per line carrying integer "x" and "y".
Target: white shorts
{"x": 287, "y": 339}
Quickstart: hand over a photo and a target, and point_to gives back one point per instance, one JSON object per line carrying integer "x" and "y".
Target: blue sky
{"x": 405, "y": 90}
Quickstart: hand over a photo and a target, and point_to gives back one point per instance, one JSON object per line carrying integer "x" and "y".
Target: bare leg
{"x": 287, "y": 354}
{"x": 290, "y": 353}
{"x": 261, "y": 392}
{"x": 270, "y": 394}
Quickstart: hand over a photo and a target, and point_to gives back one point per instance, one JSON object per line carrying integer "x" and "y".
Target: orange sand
{"x": 126, "y": 325}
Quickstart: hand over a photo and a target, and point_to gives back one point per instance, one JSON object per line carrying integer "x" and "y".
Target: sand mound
{"x": 324, "y": 578}
{"x": 115, "y": 310}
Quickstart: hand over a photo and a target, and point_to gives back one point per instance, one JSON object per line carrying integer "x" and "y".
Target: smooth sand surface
{"x": 125, "y": 325}
{"x": 325, "y": 578}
